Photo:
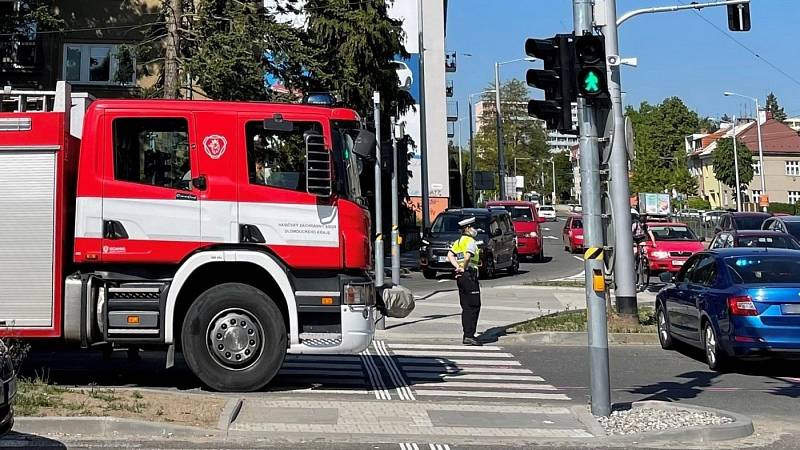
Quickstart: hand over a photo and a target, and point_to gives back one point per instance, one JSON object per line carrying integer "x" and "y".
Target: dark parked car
{"x": 784, "y": 224}
{"x": 741, "y": 221}
{"x": 733, "y": 302}
{"x": 754, "y": 238}
{"x": 8, "y": 390}
{"x": 498, "y": 249}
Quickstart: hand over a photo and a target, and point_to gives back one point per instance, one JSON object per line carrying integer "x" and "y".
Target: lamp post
{"x": 553, "y": 198}
{"x": 501, "y": 156}
{"x": 760, "y": 144}
{"x": 471, "y": 144}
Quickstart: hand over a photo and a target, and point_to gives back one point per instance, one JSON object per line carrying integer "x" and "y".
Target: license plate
{"x": 790, "y": 308}
{"x": 678, "y": 263}
{"x": 442, "y": 259}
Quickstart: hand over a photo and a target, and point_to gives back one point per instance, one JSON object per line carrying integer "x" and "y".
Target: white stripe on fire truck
{"x": 403, "y": 390}
{"x": 378, "y": 387}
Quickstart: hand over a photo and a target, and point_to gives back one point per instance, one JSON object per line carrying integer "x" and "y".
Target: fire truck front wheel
{"x": 234, "y": 338}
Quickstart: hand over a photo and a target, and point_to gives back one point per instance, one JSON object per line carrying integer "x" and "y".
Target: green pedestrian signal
{"x": 591, "y": 82}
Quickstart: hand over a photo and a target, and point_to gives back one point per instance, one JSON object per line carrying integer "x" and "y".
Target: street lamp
{"x": 553, "y": 198}
{"x": 760, "y": 144}
{"x": 501, "y": 157}
{"x": 471, "y": 144}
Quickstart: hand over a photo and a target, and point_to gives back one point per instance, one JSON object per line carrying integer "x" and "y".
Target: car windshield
{"x": 748, "y": 222}
{"x": 349, "y": 167}
{"x": 518, "y": 213}
{"x": 448, "y": 223}
{"x": 768, "y": 242}
{"x": 577, "y": 223}
{"x": 672, "y": 233}
{"x": 793, "y": 228}
{"x": 545, "y": 208}
{"x": 764, "y": 269}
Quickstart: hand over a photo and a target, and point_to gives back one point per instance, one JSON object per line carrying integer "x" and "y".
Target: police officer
{"x": 463, "y": 255}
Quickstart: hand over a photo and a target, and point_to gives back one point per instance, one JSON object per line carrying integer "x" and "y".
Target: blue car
{"x": 733, "y": 303}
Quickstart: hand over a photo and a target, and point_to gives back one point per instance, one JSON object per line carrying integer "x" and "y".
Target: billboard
{"x": 654, "y": 204}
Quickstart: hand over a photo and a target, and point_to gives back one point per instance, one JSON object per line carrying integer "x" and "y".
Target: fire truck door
{"x": 151, "y": 189}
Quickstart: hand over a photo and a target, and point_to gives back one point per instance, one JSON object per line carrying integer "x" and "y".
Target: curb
{"x": 566, "y": 338}
{"x": 108, "y": 427}
{"x": 742, "y": 426}
{"x": 229, "y": 413}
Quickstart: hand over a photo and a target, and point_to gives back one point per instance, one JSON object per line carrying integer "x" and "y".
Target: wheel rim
{"x": 662, "y": 327}
{"x": 711, "y": 345}
{"x": 235, "y": 339}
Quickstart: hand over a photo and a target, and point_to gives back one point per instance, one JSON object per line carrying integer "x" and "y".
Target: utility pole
{"x": 624, "y": 265}
{"x": 501, "y": 157}
{"x": 554, "y": 180}
{"x": 376, "y": 102}
{"x": 423, "y": 130}
{"x": 395, "y": 220}
{"x": 593, "y": 235}
{"x": 736, "y": 167}
{"x": 472, "y": 157}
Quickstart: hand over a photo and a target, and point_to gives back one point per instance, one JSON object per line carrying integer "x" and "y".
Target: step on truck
{"x": 233, "y": 232}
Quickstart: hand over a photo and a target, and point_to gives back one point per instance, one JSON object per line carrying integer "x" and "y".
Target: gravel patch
{"x": 640, "y": 420}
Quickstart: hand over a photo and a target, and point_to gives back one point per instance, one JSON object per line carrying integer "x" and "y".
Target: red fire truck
{"x": 234, "y": 232}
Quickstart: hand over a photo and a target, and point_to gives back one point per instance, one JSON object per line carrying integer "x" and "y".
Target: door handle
{"x": 200, "y": 183}
{"x": 250, "y": 234}
{"x": 113, "y": 229}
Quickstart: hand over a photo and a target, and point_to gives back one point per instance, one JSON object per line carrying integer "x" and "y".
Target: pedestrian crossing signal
{"x": 590, "y": 56}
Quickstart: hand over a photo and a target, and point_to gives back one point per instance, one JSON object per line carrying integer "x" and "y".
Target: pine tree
{"x": 772, "y": 105}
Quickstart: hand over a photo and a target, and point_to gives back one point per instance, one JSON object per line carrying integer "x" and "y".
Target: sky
{"x": 679, "y": 53}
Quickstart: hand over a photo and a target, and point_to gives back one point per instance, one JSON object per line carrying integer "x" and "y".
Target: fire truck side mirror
{"x": 319, "y": 180}
{"x": 365, "y": 145}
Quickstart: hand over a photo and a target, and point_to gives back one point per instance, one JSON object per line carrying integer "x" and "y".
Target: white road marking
{"x": 491, "y": 394}
{"x": 381, "y": 393}
{"x": 403, "y": 391}
{"x": 446, "y": 377}
{"x": 465, "y": 384}
{"x": 578, "y": 258}
{"x": 464, "y": 370}
{"x": 468, "y": 354}
{"x": 460, "y": 362}
{"x": 550, "y": 237}
{"x": 394, "y": 346}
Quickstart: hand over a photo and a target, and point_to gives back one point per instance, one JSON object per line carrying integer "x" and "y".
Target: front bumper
{"x": 672, "y": 265}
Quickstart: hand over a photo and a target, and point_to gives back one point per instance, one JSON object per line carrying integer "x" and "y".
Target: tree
{"x": 660, "y": 148}
{"x": 524, "y": 137}
{"x": 773, "y": 107}
{"x": 27, "y": 17}
{"x": 725, "y": 118}
{"x": 724, "y": 164}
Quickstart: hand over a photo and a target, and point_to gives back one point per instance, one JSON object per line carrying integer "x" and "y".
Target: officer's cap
{"x": 466, "y": 222}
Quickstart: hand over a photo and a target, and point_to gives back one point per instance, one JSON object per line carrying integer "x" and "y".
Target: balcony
{"x": 450, "y": 62}
{"x": 19, "y": 55}
{"x": 449, "y": 89}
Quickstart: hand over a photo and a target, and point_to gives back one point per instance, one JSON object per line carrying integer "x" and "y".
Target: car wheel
{"x": 539, "y": 258}
{"x": 234, "y": 338}
{"x": 429, "y": 274}
{"x": 514, "y": 267}
{"x": 664, "y": 336}
{"x": 6, "y": 419}
{"x": 489, "y": 270}
{"x": 715, "y": 355}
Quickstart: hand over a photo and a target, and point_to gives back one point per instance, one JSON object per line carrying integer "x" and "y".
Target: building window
{"x": 793, "y": 168}
{"x": 97, "y": 64}
{"x": 794, "y": 197}
{"x": 757, "y": 168}
{"x": 756, "y": 195}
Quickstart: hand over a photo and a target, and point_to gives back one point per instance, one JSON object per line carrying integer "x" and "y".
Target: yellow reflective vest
{"x": 466, "y": 244}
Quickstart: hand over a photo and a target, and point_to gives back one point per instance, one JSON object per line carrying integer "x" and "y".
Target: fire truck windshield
{"x": 348, "y": 165}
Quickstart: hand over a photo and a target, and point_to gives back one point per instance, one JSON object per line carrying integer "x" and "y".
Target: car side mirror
{"x": 666, "y": 277}
{"x": 365, "y": 145}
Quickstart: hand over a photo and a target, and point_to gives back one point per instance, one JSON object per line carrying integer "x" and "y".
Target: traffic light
{"x": 556, "y": 79}
{"x": 739, "y": 17}
{"x": 590, "y": 55}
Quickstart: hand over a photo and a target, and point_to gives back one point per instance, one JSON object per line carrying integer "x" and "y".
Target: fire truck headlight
{"x": 359, "y": 294}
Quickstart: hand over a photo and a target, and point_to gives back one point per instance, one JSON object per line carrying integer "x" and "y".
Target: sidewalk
{"x": 438, "y": 315}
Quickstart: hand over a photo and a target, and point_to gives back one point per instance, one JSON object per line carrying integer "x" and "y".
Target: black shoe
{"x": 471, "y": 341}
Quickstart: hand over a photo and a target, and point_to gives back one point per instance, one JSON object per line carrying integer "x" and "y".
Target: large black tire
{"x": 429, "y": 274}
{"x": 514, "y": 267}
{"x": 489, "y": 271}
{"x": 234, "y": 321}
{"x": 664, "y": 336}
{"x": 6, "y": 419}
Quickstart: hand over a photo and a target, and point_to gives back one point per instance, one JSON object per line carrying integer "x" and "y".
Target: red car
{"x": 670, "y": 245}
{"x": 526, "y": 226}
{"x": 573, "y": 234}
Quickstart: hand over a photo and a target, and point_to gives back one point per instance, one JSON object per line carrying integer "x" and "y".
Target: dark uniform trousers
{"x": 469, "y": 294}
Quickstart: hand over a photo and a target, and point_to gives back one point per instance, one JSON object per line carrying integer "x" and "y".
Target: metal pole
{"x": 593, "y": 235}
{"x": 554, "y": 181}
{"x": 501, "y": 163}
{"x": 376, "y": 102}
{"x": 661, "y": 9}
{"x": 423, "y": 133}
{"x": 460, "y": 170}
{"x": 762, "y": 175}
{"x": 472, "y": 156}
{"x": 395, "y": 219}
{"x": 624, "y": 267}
{"x": 736, "y": 167}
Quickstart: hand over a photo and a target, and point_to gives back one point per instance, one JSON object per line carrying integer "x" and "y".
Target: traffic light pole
{"x": 593, "y": 235}
{"x": 501, "y": 156}
{"x": 395, "y": 207}
{"x": 624, "y": 264}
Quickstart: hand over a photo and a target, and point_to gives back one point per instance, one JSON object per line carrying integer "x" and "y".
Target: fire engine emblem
{"x": 215, "y": 145}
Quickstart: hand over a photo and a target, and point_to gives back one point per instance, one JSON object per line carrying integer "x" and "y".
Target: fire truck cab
{"x": 234, "y": 232}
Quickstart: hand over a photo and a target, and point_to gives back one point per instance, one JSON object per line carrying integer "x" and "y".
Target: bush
{"x": 786, "y": 208}
{"x": 698, "y": 203}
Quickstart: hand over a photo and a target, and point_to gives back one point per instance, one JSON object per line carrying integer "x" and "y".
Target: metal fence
{"x": 703, "y": 227}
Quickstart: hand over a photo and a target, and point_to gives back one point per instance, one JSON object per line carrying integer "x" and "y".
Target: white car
{"x": 404, "y": 75}
{"x": 547, "y": 212}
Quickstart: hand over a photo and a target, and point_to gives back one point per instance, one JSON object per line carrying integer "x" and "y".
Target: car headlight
{"x": 660, "y": 254}
{"x": 533, "y": 234}
{"x": 578, "y": 236}
{"x": 425, "y": 242}
{"x": 359, "y": 294}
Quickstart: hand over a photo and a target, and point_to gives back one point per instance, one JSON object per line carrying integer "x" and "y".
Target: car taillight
{"x": 742, "y": 306}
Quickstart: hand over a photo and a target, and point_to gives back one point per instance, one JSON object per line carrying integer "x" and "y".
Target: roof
{"x": 789, "y": 218}
{"x": 473, "y": 211}
{"x": 749, "y": 214}
{"x": 220, "y": 106}
{"x": 776, "y": 137}
{"x": 710, "y": 142}
{"x": 508, "y": 203}
{"x": 747, "y": 251}
{"x": 756, "y": 233}
{"x": 666, "y": 224}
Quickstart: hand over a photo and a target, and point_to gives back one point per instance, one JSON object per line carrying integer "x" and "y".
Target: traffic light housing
{"x": 739, "y": 17}
{"x": 590, "y": 56}
{"x": 556, "y": 79}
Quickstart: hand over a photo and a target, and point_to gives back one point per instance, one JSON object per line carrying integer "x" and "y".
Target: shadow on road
{"x": 423, "y": 319}
{"x": 25, "y": 440}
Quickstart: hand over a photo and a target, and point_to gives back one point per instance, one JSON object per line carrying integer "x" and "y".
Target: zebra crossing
{"x": 396, "y": 371}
